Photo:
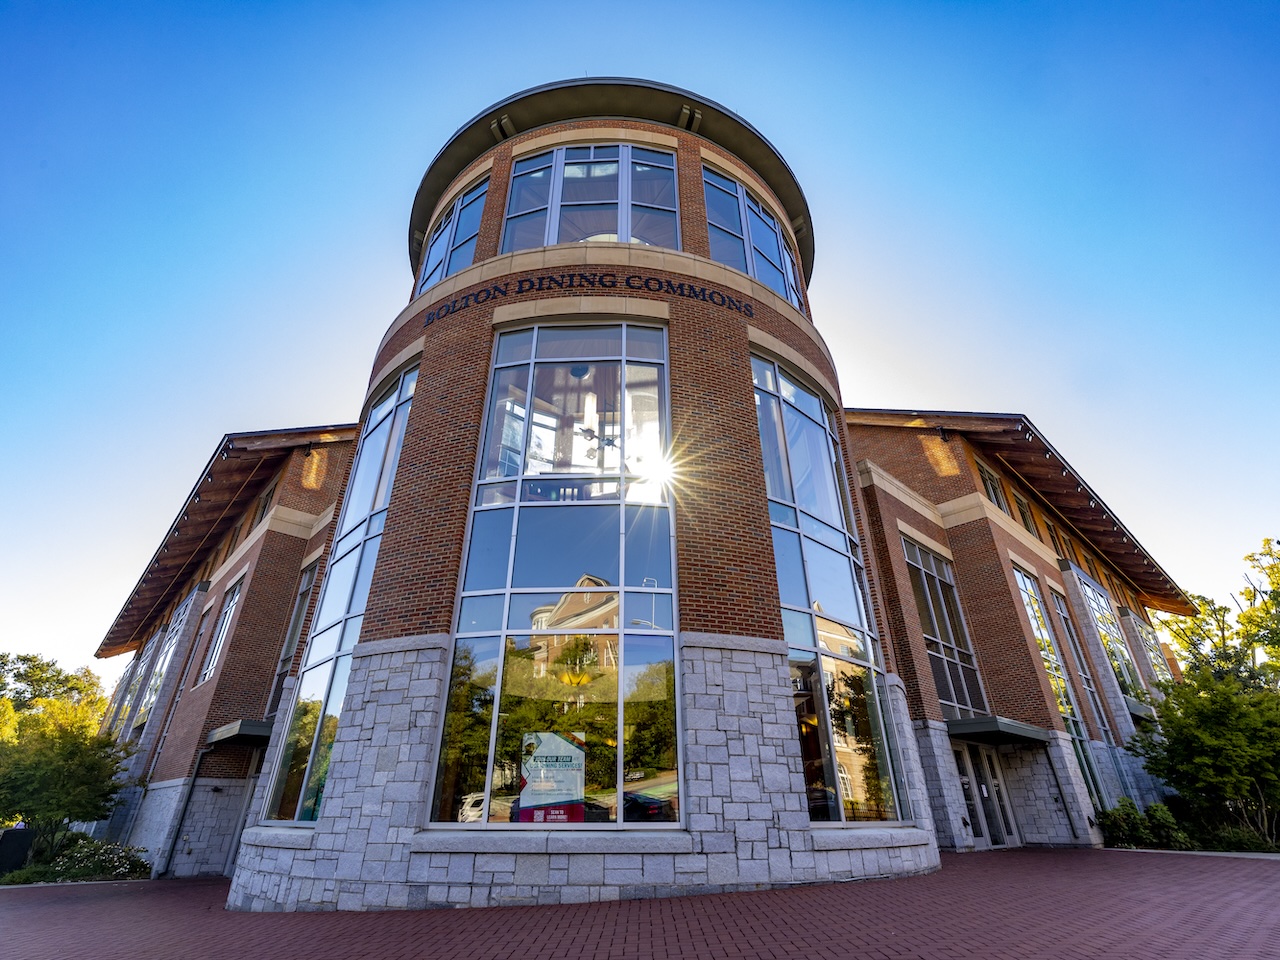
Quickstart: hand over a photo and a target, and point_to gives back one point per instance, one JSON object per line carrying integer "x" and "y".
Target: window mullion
{"x": 554, "y": 193}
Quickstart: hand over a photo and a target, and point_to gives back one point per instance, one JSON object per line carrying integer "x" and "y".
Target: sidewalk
{"x": 1016, "y": 905}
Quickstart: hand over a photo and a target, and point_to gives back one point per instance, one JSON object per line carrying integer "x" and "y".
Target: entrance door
{"x": 982, "y": 784}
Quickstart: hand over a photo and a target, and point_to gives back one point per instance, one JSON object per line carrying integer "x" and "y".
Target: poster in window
{"x": 553, "y": 777}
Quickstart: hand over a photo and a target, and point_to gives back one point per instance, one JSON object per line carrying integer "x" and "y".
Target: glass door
{"x": 987, "y": 806}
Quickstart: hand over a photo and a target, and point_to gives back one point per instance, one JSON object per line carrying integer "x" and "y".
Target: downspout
{"x": 182, "y": 812}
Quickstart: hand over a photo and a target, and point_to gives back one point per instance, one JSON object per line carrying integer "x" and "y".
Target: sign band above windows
{"x": 589, "y": 281}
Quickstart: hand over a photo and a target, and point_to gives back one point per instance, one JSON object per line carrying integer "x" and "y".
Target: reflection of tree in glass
{"x": 320, "y": 766}
{"x": 465, "y": 750}
{"x": 572, "y": 694}
{"x": 650, "y": 718}
{"x": 297, "y": 749}
{"x": 853, "y": 721}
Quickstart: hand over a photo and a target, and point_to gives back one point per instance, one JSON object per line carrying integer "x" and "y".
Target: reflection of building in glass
{"x": 598, "y": 611}
{"x": 1006, "y": 624}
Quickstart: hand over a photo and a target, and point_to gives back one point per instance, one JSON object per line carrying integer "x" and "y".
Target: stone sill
{"x": 869, "y": 838}
{"x": 546, "y": 841}
{"x": 284, "y": 838}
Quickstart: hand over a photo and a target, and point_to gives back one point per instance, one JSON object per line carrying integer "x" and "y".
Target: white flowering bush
{"x": 87, "y": 860}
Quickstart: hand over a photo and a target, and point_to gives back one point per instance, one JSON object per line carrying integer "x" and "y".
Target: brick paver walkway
{"x": 1019, "y": 905}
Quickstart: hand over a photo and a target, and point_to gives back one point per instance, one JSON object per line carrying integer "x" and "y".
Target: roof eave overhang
{"x": 611, "y": 98}
{"x": 237, "y": 472}
{"x": 1019, "y": 444}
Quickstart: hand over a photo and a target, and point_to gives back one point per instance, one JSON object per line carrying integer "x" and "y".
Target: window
{"x": 562, "y": 697}
{"x": 991, "y": 486}
{"x": 335, "y": 626}
{"x": 1025, "y": 514}
{"x": 1093, "y": 572}
{"x": 163, "y": 659}
{"x": 613, "y": 192}
{"x": 1082, "y": 666}
{"x": 264, "y": 506}
{"x": 950, "y": 655}
{"x": 292, "y": 635}
{"x": 746, "y": 236}
{"x": 229, "y": 601}
{"x": 837, "y": 683}
{"x": 452, "y": 244}
{"x": 1052, "y": 660}
{"x": 1112, "y": 639}
{"x": 1151, "y": 644}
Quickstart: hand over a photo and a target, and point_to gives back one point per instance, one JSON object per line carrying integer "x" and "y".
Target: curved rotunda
{"x": 595, "y": 620}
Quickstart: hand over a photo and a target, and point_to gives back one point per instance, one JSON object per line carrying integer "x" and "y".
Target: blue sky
{"x": 204, "y": 207}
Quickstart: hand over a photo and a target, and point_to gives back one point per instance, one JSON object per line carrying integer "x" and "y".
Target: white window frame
{"x": 230, "y": 601}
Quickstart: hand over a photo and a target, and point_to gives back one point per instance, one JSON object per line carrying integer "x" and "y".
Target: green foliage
{"x": 28, "y": 677}
{"x": 1125, "y": 826}
{"x": 86, "y": 859}
{"x": 1165, "y": 832}
{"x": 57, "y": 769}
{"x": 1218, "y": 745}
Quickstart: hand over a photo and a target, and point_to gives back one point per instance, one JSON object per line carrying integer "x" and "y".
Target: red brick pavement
{"x": 1018, "y": 905}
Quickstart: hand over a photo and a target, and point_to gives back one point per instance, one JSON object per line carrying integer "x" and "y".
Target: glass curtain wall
{"x": 1086, "y": 673}
{"x": 955, "y": 672}
{"x": 1151, "y": 644}
{"x": 1029, "y": 587}
{"x": 835, "y": 674}
{"x": 335, "y": 628}
{"x": 562, "y": 695}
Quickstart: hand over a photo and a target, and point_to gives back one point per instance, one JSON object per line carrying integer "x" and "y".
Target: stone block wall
{"x": 745, "y": 808}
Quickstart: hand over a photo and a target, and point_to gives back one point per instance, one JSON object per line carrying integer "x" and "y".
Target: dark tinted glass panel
{"x": 727, "y": 249}
{"x": 524, "y": 232}
{"x": 831, "y": 584}
{"x": 648, "y": 550}
{"x": 645, "y": 343}
{"x": 589, "y": 182}
{"x": 558, "y": 546}
{"x": 657, "y": 228}
{"x": 462, "y": 256}
{"x": 529, "y": 191}
{"x": 595, "y": 221}
{"x": 653, "y": 186}
{"x": 570, "y": 342}
{"x": 790, "y": 567}
{"x": 490, "y": 549}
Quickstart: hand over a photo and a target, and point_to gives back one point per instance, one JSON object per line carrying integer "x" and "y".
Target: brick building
{"x": 591, "y": 627}
{"x": 1016, "y": 604}
{"x": 213, "y": 624}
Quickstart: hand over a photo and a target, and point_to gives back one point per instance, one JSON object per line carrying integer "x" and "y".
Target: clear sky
{"x": 204, "y": 209}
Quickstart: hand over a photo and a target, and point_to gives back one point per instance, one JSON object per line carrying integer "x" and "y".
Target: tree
{"x": 1218, "y": 742}
{"x": 27, "y": 677}
{"x": 1219, "y": 746}
{"x": 55, "y": 767}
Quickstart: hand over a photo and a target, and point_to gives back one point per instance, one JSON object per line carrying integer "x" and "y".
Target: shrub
{"x": 1165, "y": 832}
{"x": 1125, "y": 826}
{"x": 1236, "y": 839}
{"x": 87, "y": 859}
